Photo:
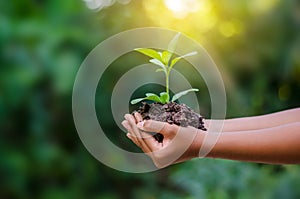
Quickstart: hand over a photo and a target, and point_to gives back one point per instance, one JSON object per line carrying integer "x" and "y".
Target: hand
{"x": 179, "y": 143}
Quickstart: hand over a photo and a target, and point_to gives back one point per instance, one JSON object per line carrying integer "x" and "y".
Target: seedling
{"x": 167, "y": 110}
{"x": 166, "y": 61}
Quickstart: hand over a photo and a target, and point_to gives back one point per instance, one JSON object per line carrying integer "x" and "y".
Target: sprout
{"x": 165, "y": 61}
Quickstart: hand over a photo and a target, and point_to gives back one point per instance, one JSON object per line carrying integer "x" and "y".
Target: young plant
{"x": 166, "y": 61}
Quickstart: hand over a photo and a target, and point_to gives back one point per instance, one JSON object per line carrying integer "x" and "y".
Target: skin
{"x": 272, "y": 139}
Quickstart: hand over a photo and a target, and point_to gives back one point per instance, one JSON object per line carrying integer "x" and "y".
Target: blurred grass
{"x": 42, "y": 45}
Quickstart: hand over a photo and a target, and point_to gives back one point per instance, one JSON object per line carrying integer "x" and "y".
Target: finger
{"x": 149, "y": 142}
{"x": 131, "y": 121}
{"x": 144, "y": 146}
{"x": 146, "y": 142}
{"x": 148, "y": 145}
{"x": 134, "y": 130}
{"x": 138, "y": 117}
{"x": 156, "y": 126}
{"x": 130, "y": 132}
{"x": 133, "y": 139}
{"x": 126, "y": 125}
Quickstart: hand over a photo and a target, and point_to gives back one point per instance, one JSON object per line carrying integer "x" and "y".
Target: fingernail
{"x": 125, "y": 125}
{"x": 129, "y": 117}
{"x": 140, "y": 124}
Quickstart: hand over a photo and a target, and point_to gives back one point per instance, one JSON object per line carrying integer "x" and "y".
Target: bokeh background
{"x": 255, "y": 44}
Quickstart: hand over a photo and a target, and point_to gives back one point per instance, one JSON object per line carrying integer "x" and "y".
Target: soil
{"x": 172, "y": 113}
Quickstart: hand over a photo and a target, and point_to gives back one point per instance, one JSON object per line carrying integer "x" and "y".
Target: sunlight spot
{"x": 181, "y": 8}
{"x": 259, "y": 6}
{"x": 201, "y": 18}
{"x": 227, "y": 29}
{"x": 206, "y": 22}
{"x": 230, "y": 28}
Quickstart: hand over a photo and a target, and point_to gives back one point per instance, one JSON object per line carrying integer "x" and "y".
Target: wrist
{"x": 196, "y": 144}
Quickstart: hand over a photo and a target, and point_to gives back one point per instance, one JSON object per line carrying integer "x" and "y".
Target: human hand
{"x": 179, "y": 143}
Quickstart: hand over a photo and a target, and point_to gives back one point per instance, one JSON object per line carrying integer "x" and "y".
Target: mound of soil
{"x": 172, "y": 113}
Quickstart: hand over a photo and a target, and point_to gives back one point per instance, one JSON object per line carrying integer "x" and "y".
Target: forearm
{"x": 260, "y": 122}
{"x": 276, "y": 145}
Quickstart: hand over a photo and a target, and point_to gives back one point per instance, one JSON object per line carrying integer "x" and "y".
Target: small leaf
{"x": 158, "y": 63}
{"x": 160, "y": 54}
{"x": 154, "y": 98}
{"x": 149, "y": 52}
{"x": 164, "y": 97}
{"x": 180, "y": 94}
{"x": 159, "y": 70}
{"x": 190, "y": 54}
{"x": 166, "y": 56}
{"x": 173, "y": 43}
{"x": 149, "y": 96}
{"x": 135, "y": 101}
{"x": 175, "y": 60}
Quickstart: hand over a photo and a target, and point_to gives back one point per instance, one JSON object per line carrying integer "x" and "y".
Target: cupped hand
{"x": 179, "y": 143}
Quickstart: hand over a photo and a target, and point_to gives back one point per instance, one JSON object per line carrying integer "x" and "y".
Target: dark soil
{"x": 172, "y": 113}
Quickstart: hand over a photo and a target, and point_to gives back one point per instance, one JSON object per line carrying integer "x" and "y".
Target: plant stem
{"x": 167, "y": 82}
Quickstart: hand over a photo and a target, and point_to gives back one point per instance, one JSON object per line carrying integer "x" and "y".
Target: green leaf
{"x": 164, "y": 97}
{"x": 160, "y": 54}
{"x": 180, "y": 94}
{"x": 175, "y": 60}
{"x": 154, "y": 98}
{"x": 149, "y": 52}
{"x": 159, "y": 70}
{"x": 158, "y": 63}
{"x": 173, "y": 43}
{"x": 166, "y": 56}
{"x": 135, "y": 101}
{"x": 190, "y": 54}
{"x": 149, "y": 96}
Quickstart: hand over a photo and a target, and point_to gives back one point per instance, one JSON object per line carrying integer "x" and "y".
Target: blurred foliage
{"x": 256, "y": 45}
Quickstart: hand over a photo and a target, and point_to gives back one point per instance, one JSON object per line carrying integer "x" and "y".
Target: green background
{"x": 42, "y": 45}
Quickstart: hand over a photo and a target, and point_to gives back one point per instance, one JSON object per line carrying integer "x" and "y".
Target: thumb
{"x": 152, "y": 126}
